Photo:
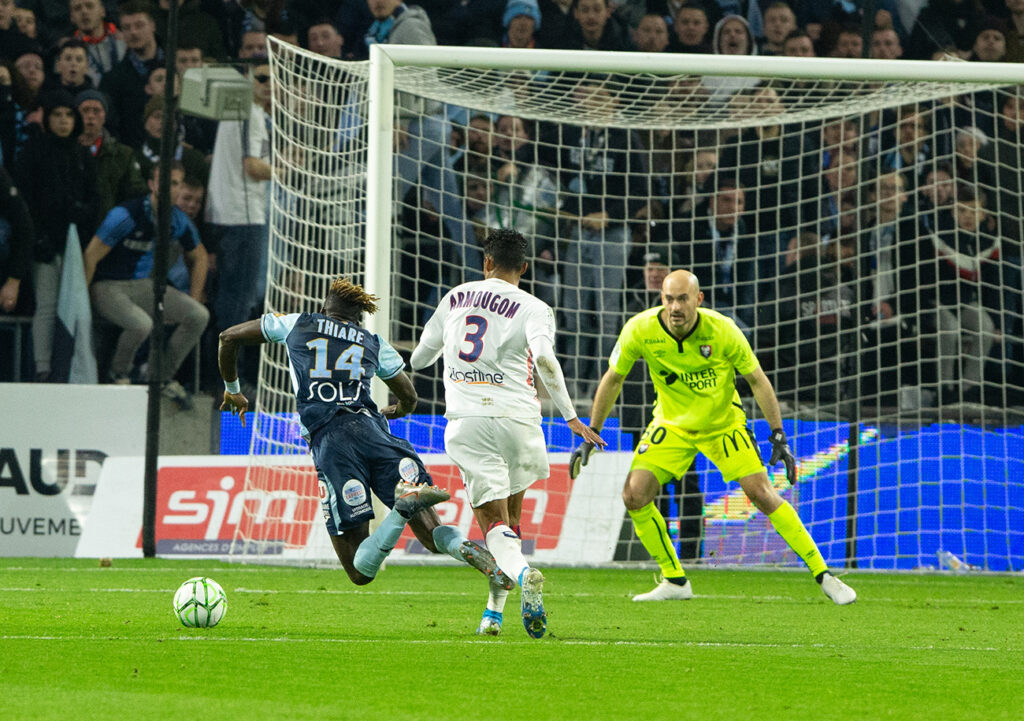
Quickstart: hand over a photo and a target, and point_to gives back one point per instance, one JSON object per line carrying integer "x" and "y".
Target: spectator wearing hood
{"x": 732, "y": 36}
{"x": 56, "y": 176}
{"x": 149, "y": 150}
{"x": 522, "y": 21}
{"x": 990, "y": 42}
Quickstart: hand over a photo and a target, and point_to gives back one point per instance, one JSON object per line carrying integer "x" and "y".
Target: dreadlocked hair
{"x": 346, "y": 297}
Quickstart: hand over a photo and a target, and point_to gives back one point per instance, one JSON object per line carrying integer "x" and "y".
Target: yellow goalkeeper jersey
{"x": 694, "y": 376}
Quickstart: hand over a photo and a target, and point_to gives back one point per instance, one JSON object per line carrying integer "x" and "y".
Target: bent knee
{"x": 634, "y": 498}
{"x": 641, "y": 488}
{"x": 141, "y": 325}
{"x": 357, "y": 578}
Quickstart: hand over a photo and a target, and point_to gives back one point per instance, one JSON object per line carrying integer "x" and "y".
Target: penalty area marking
{"x": 474, "y": 642}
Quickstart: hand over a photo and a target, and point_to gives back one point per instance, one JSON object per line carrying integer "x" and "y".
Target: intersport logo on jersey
{"x": 544, "y": 506}
{"x": 199, "y": 509}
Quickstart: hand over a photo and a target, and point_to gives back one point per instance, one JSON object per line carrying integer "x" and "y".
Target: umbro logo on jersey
{"x": 669, "y": 378}
{"x": 705, "y": 350}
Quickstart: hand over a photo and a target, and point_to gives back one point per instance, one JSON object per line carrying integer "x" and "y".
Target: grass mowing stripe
{"x": 555, "y": 594}
{"x": 484, "y": 642}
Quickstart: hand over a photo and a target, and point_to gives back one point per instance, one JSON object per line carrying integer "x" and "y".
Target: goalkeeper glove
{"x": 781, "y": 452}
{"x": 579, "y": 458}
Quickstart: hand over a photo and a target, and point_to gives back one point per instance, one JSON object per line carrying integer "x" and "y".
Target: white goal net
{"x": 862, "y": 228}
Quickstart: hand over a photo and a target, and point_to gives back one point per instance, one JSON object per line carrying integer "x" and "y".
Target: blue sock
{"x": 493, "y": 615}
{"x": 448, "y": 539}
{"x": 372, "y": 551}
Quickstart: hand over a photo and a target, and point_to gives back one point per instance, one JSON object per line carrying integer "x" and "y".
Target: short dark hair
{"x": 136, "y": 7}
{"x": 155, "y": 168}
{"x": 506, "y": 248}
{"x": 73, "y": 43}
{"x": 967, "y": 194}
{"x": 348, "y": 300}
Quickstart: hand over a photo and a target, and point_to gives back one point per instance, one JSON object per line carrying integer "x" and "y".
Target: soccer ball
{"x": 200, "y": 603}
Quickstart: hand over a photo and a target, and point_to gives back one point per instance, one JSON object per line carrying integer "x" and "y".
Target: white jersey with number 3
{"x": 484, "y": 330}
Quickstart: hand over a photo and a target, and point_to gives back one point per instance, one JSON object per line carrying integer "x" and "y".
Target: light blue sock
{"x": 449, "y": 540}
{"x": 372, "y": 551}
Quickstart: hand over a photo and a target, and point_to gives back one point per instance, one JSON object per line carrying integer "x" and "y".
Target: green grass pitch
{"x": 81, "y": 642}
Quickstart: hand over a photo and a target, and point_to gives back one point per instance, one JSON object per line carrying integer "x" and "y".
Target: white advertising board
{"x": 200, "y": 502}
{"x": 54, "y": 441}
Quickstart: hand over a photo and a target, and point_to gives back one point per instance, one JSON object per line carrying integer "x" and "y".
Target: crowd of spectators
{"x": 884, "y": 246}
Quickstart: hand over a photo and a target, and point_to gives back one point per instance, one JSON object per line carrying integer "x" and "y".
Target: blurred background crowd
{"x": 869, "y": 255}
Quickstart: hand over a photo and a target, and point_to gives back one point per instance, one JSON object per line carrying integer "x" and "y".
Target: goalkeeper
{"x": 693, "y": 354}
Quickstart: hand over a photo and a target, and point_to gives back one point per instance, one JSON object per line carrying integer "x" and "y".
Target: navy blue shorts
{"x": 354, "y": 454}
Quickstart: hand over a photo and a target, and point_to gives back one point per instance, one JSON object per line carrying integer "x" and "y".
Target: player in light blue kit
{"x": 332, "y": 360}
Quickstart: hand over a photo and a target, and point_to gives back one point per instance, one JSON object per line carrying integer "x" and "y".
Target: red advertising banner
{"x": 199, "y": 508}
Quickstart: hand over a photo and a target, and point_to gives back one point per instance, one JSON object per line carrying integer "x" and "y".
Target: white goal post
{"x": 824, "y": 203}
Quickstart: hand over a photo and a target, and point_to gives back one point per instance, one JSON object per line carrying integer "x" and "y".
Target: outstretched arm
{"x": 550, "y": 373}
{"x": 248, "y": 333}
{"x": 604, "y": 399}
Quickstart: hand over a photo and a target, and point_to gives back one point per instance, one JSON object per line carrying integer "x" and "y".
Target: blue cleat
{"x": 481, "y": 559}
{"x": 490, "y": 624}
{"x": 535, "y": 620}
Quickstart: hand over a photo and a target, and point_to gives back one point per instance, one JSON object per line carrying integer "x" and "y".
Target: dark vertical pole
{"x": 851, "y": 495}
{"x": 867, "y": 25}
{"x": 160, "y": 249}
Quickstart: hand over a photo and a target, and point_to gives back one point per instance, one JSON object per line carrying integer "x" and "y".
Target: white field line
{"x": 473, "y": 641}
{"x": 555, "y": 594}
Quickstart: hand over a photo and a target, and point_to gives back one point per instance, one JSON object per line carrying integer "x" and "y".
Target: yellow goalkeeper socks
{"x": 653, "y": 533}
{"x": 791, "y": 528}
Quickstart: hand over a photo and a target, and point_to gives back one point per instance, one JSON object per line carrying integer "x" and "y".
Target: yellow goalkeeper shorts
{"x": 667, "y": 452}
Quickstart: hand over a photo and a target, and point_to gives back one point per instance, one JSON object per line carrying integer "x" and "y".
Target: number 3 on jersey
{"x": 475, "y": 337}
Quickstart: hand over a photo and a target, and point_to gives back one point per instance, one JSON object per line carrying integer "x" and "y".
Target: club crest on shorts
{"x": 353, "y": 492}
{"x": 705, "y": 350}
{"x": 408, "y": 470}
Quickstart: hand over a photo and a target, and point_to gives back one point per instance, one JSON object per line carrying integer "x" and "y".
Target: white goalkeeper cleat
{"x": 668, "y": 591}
{"x": 836, "y": 590}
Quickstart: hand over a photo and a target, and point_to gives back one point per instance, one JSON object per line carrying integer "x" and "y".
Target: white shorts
{"x": 498, "y": 457}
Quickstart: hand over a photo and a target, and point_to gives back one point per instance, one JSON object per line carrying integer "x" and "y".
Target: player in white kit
{"x": 493, "y": 335}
